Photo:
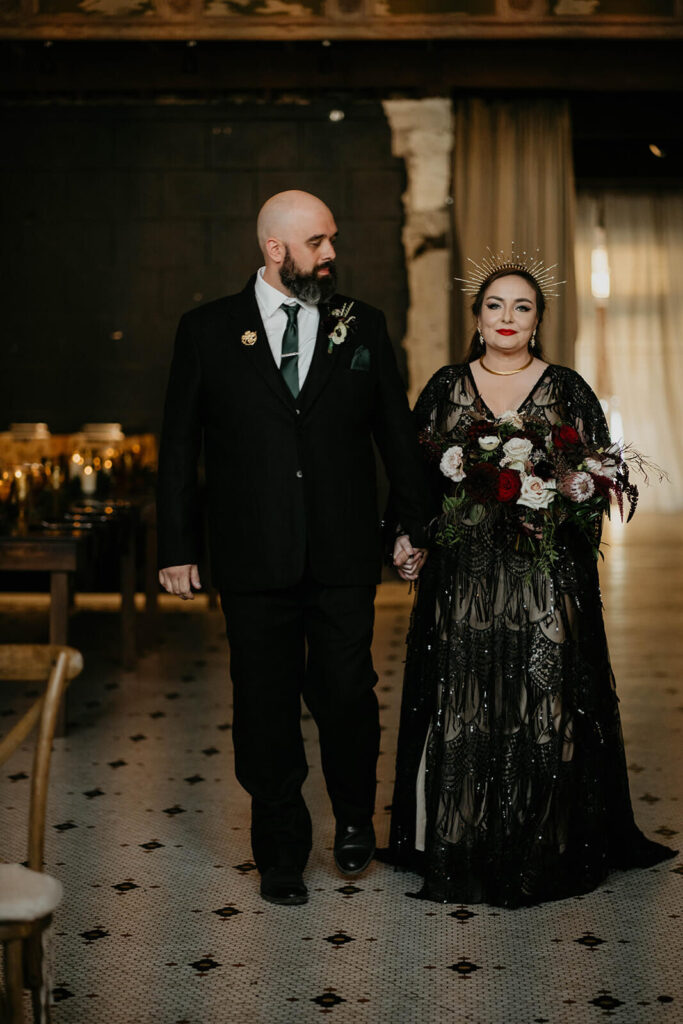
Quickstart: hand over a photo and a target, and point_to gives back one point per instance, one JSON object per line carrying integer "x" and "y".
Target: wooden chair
{"x": 28, "y": 897}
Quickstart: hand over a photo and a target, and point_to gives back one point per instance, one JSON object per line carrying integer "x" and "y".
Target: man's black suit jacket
{"x": 290, "y": 482}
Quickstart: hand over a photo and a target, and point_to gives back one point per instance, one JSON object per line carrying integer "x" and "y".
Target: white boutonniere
{"x": 339, "y": 331}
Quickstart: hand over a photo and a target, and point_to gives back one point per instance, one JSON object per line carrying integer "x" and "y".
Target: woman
{"x": 511, "y": 784}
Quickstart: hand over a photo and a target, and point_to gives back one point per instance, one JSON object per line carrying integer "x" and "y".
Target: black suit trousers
{"x": 308, "y": 640}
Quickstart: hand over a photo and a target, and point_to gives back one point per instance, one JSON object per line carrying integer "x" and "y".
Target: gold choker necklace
{"x": 504, "y": 373}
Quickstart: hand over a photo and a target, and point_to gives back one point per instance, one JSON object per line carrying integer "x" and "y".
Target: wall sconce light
{"x": 600, "y": 274}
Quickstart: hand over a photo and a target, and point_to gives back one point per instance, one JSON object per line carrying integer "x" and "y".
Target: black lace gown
{"x": 511, "y": 783}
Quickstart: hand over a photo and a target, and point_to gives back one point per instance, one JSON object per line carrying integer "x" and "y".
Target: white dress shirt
{"x": 269, "y": 300}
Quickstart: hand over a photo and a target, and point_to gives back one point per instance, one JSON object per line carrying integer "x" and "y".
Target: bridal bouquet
{"x": 537, "y": 476}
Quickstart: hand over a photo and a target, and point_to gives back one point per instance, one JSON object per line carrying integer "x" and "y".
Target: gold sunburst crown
{"x": 530, "y": 263}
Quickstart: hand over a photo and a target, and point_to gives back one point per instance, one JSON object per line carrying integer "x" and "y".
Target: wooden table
{"x": 63, "y": 554}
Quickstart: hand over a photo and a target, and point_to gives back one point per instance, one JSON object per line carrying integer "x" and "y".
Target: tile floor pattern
{"x": 162, "y": 921}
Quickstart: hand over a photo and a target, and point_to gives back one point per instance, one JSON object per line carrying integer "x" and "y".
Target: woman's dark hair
{"x": 476, "y": 348}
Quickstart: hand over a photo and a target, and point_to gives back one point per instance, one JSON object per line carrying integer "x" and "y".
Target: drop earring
{"x": 532, "y": 342}
{"x": 481, "y": 338}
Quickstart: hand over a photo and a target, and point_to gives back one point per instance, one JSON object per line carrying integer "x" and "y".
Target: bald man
{"x": 287, "y": 384}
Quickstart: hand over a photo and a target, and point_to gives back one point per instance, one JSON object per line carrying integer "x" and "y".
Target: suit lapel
{"x": 258, "y": 354}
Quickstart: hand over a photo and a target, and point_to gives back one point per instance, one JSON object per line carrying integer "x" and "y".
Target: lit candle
{"x": 22, "y": 485}
{"x": 76, "y": 466}
{"x": 89, "y": 480}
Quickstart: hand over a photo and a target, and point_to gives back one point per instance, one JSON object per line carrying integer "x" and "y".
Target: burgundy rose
{"x": 544, "y": 469}
{"x": 508, "y": 485}
{"x": 481, "y": 481}
{"x": 565, "y": 437}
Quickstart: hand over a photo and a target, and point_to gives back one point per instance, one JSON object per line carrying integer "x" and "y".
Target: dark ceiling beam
{"x": 417, "y": 67}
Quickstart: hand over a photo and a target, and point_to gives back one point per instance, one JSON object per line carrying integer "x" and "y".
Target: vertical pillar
{"x": 422, "y": 134}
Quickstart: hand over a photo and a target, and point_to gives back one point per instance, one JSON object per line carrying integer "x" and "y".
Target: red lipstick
{"x": 505, "y": 331}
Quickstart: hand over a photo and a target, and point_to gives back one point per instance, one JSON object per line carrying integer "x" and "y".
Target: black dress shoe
{"x": 354, "y": 848}
{"x": 284, "y": 886}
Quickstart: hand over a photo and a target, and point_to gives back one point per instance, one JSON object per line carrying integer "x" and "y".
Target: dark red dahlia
{"x": 537, "y": 440}
{"x": 544, "y": 469}
{"x": 480, "y": 428}
{"x": 431, "y": 446}
{"x": 481, "y": 481}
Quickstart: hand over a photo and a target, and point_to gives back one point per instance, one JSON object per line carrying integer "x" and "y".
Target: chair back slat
{"x": 57, "y": 665}
{"x": 54, "y": 694}
{"x": 18, "y": 733}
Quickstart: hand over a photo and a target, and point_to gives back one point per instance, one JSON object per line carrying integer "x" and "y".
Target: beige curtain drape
{"x": 643, "y": 338}
{"x": 514, "y": 182}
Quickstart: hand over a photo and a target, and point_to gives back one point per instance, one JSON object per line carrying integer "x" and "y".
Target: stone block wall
{"x": 116, "y": 219}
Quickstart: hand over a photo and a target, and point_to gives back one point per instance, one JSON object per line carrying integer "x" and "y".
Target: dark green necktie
{"x": 289, "y": 364}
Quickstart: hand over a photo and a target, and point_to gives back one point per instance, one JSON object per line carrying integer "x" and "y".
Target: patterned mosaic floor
{"x": 162, "y": 921}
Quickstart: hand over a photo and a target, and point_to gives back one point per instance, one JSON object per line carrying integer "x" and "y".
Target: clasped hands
{"x": 407, "y": 559}
{"x": 183, "y": 580}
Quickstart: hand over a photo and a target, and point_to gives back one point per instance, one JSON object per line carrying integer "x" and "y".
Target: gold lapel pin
{"x": 249, "y": 338}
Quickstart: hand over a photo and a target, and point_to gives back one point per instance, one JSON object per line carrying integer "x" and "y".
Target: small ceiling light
{"x": 116, "y": 335}
{"x": 656, "y": 151}
{"x": 336, "y": 115}
{"x": 326, "y": 42}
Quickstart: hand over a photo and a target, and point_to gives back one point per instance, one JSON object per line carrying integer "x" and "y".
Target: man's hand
{"x": 180, "y": 580}
{"x": 407, "y": 559}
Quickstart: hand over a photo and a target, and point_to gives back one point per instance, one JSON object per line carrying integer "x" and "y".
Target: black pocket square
{"x": 361, "y": 358}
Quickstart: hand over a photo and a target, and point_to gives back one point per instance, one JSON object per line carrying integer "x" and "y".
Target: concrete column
{"x": 422, "y": 134}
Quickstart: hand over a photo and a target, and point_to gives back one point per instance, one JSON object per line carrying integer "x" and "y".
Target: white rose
{"x": 510, "y": 416}
{"x": 517, "y": 452}
{"x": 451, "y": 464}
{"x": 536, "y": 493}
{"x": 509, "y": 463}
{"x": 518, "y": 448}
{"x": 489, "y": 443}
{"x": 339, "y": 334}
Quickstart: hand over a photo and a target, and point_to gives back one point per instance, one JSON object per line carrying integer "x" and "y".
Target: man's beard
{"x": 308, "y": 287}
